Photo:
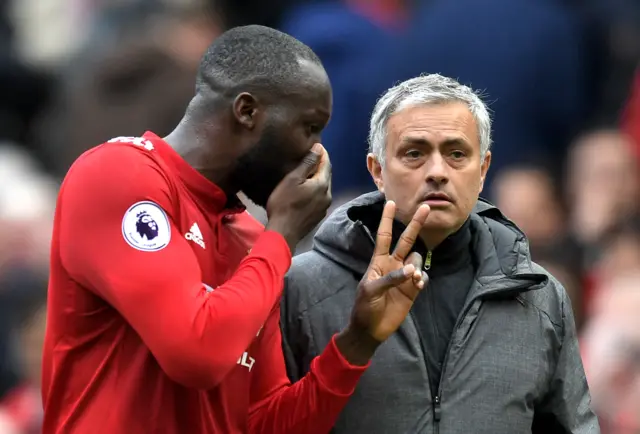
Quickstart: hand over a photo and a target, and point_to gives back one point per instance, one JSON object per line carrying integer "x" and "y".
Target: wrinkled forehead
{"x": 436, "y": 124}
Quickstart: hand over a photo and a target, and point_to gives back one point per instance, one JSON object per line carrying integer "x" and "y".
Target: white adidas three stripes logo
{"x": 195, "y": 235}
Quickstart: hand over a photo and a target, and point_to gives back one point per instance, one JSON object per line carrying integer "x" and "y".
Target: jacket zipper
{"x": 437, "y": 410}
{"x": 436, "y": 400}
{"x": 426, "y": 267}
{"x": 427, "y": 261}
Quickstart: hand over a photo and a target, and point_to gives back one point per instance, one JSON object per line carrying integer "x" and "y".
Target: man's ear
{"x": 484, "y": 169}
{"x": 246, "y": 110}
{"x": 375, "y": 169}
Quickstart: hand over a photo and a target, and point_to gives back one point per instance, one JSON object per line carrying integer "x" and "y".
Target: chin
{"x": 440, "y": 220}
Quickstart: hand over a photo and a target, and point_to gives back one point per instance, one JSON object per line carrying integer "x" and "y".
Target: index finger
{"x": 384, "y": 235}
{"x": 410, "y": 234}
{"x": 323, "y": 171}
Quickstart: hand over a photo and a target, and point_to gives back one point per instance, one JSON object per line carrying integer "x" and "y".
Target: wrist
{"x": 356, "y": 346}
{"x": 286, "y": 232}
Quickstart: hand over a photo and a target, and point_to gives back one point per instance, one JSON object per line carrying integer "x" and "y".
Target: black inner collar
{"x": 450, "y": 255}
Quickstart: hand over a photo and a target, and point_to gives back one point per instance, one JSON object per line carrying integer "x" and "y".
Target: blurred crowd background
{"x": 560, "y": 76}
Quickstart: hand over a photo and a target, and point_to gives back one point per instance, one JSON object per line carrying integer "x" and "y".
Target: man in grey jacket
{"x": 490, "y": 345}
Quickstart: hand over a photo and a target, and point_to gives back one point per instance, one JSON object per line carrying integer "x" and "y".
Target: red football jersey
{"x": 163, "y": 313}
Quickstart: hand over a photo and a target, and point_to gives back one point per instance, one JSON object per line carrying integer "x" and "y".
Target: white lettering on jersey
{"x": 138, "y": 141}
{"x": 246, "y": 361}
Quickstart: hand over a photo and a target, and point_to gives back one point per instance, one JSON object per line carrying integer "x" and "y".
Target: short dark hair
{"x": 254, "y": 57}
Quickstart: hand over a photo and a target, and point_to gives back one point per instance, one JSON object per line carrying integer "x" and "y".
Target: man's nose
{"x": 437, "y": 169}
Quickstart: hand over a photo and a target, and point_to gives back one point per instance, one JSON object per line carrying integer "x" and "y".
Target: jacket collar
{"x": 499, "y": 248}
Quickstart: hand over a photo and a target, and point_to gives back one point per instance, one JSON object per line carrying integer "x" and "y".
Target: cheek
{"x": 467, "y": 192}
{"x": 402, "y": 186}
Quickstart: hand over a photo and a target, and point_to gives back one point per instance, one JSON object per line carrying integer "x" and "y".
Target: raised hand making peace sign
{"x": 387, "y": 290}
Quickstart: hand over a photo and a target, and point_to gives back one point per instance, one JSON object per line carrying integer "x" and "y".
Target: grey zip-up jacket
{"x": 512, "y": 365}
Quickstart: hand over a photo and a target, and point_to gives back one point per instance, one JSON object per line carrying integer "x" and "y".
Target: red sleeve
{"x": 160, "y": 293}
{"x": 311, "y": 405}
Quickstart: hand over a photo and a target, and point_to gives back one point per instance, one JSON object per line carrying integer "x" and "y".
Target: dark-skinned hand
{"x": 388, "y": 289}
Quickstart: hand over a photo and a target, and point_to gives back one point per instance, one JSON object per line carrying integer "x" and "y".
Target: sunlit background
{"x": 560, "y": 76}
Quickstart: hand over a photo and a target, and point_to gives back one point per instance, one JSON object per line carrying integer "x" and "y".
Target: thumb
{"x": 378, "y": 287}
{"x": 309, "y": 164}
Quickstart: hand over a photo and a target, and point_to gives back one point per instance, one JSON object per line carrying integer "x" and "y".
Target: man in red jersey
{"x": 164, "y": 293}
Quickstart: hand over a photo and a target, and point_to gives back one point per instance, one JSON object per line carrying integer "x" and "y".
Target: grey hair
{"x": 426, "y": 89}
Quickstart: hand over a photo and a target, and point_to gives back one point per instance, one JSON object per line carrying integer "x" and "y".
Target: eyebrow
{"x": 316, "y": 113}
{"x": 421, "y": 141}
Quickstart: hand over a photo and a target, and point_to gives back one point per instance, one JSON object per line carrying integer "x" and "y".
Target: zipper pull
{"x": 437, "y": 411}
{"x": 427, "y": 261}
